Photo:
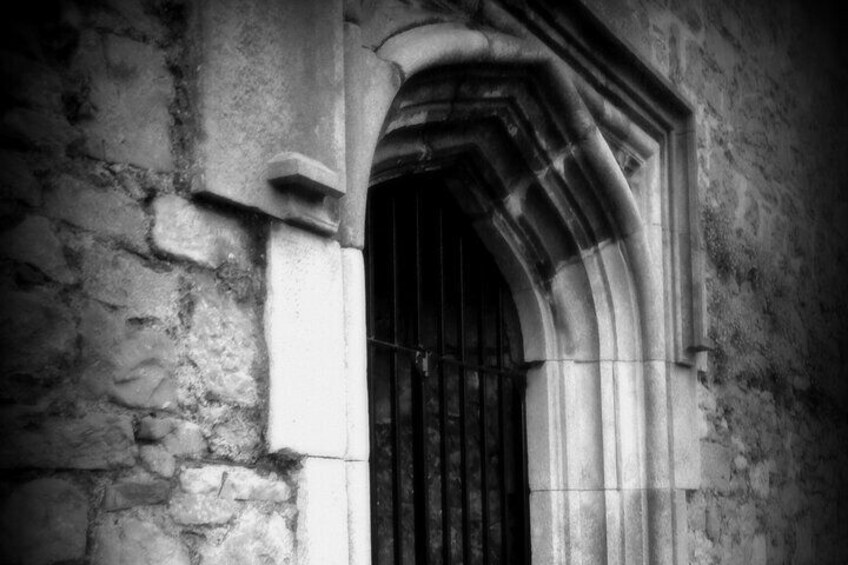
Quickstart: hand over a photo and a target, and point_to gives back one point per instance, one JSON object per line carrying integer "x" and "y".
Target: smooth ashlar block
{"x": 356, "y": 358}
{"x": 545, "y": 427}
{"x": 322, "y": 522}
{"x": 358, "y": 512}
{"x": 304, "y": 328}
{"x": 269, "y": 83}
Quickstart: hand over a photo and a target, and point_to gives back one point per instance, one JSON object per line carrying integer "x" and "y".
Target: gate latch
{"x": 423, "y": 362}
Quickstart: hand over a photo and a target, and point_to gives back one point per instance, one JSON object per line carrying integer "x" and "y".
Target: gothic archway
{"x": 554, "y": 175}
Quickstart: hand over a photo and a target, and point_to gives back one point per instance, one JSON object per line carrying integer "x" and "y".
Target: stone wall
{"x": 133, "y": 377}
{"x": 768, "y": 82}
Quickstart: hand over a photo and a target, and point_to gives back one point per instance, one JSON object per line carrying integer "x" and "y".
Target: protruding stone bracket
{"x": 294, "y": 171}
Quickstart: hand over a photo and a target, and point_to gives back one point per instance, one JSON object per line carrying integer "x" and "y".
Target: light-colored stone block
{"x": 370, "y": 87}
{"x": 359, "y": 512}
{"x": 356, "y": 357}
{"x": 577, "y": 319}
{"x": 322, "y": 524}
{"x": 184, "y": 230}
{"x": 609, "y": 424}
{"x": 619, "y": 282}
{"x": 685, "y": 421}
{"x": 546, "y": 457}
{"x": 631, "y": 423}
{"x": 657, "y": 440}
{"x": 536, "y": 325}
{"x": 583, "y": 425}
{"x": 304, "y": 325}
{"x": 548, "y": 527}
{"x": 34, "y": 242}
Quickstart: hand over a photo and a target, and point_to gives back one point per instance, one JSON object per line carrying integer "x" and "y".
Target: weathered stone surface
{"x": 185, "y": 441}
{"x": 37, "y": 130}
{"x": 17, "y": 181}
{"x": 33, "y": 241}
{"x": 304, "y": 320}
{"x": 44, "y": 521}
{"x": 715, "y": 466}
{"x": 235, "y": 483}
{"x": 121, "y": 279}
{"x": 197, "y": 509}
{"x": 236, "y": 438}
{"x": 202, "y": 480}
{"x": 100, "y": 210}
{"x": 322, "y": 526}
{"x": 158, "y": 460}
{"x": 97, "y": 441}
{"x": 134, "y": 367}
{"x": 222, "y": 343}
{"x": 178, "y": 437}
{"x": 151, "y": 428}
{"x": 36, "y": 333}
{"x": 125, "y": 540}
{"x": 251, "y": 110}
{"x": 245, "y": 484}
{"x": 185, "y": 230}
{"x": 257, "y": 539}
{"x": 131, "y": 90}
{"x": 127, "y": 494}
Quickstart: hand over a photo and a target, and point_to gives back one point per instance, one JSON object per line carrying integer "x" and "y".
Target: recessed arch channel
{"x": 548, "y": 172}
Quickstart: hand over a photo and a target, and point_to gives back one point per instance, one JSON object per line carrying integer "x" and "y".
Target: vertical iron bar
{"x": 502, "y": 426}
{"x": 484, "y": 452}
{"x": 463, "y": 431}
{"x": 443, "y": 409}
{"x": 396, "y": 477}
{"x": 419, "y": 430}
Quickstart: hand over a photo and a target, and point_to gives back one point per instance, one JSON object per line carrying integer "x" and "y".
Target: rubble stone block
{"x": 36, "y": 333}
{"x": 34, "y": 242}
{"x": 158, "y": 460}
{"x": 186, "y": 231}
{"x": 121, "y": 279}
{"x": 197, "y": 509}
{"x": 131, "y": 90}
{"x": 185, "y": 441}
{"x": 44, "y": 521}
{"x": 245, "y": 484}
{"x": 134, "y": 367}
{"x": 125, "y": 539}
{"x": 17, "y": 181}
{"x": 127, "y": 494}
{"x": 223, "y": 344}
{"x": 715, "y": 466}
{"x": 97, "y": 441}
{"x": 256, "y": 539}
{"x": 100, "y": 210}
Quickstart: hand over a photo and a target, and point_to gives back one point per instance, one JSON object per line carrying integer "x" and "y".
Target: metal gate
{"x": 446, "y": 387}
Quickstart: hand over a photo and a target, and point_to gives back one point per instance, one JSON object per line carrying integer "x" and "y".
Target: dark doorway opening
{"x": 446, "y": 386}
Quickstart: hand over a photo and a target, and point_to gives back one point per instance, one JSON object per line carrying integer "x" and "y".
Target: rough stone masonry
{"x": 133, "y": 375}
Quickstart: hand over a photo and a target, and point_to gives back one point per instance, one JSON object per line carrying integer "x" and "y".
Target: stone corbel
{"x": 309, "y": 188}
